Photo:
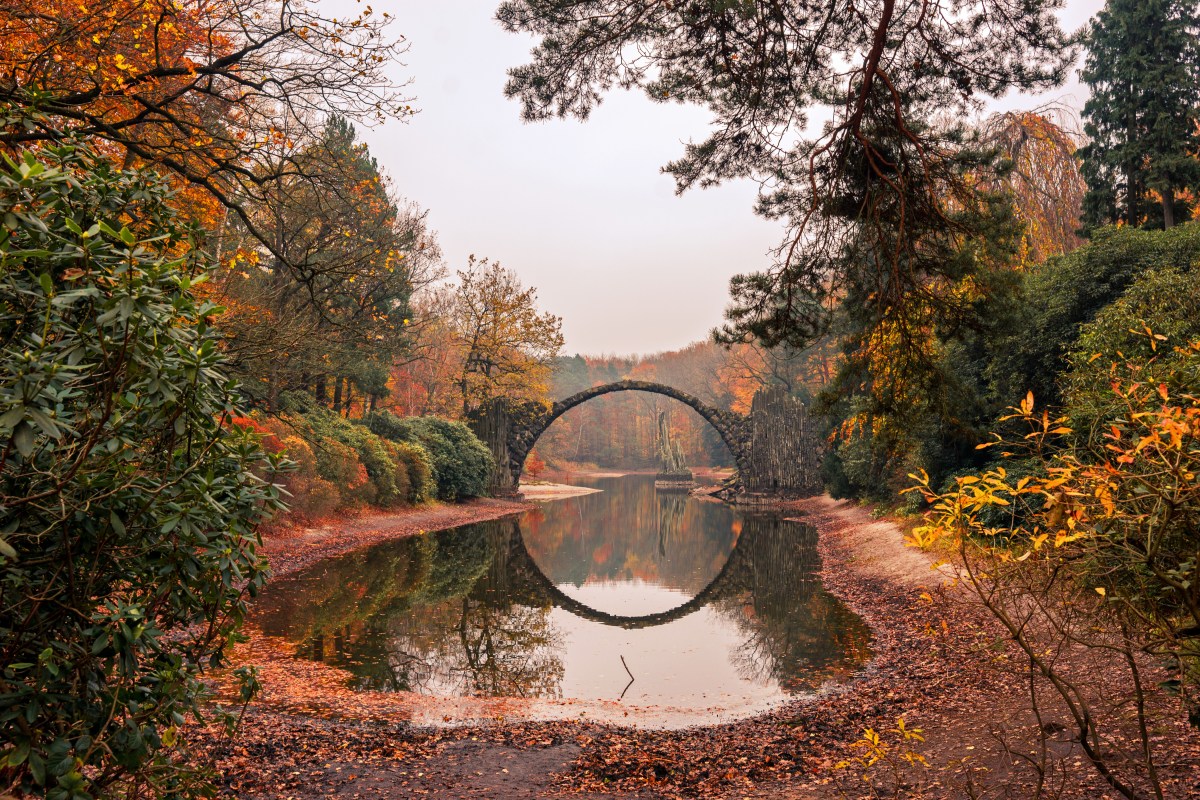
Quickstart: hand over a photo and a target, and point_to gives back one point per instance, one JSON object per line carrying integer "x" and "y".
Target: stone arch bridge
{"x": 776, "y": 447}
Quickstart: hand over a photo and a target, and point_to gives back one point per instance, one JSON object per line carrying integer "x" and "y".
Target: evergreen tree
{"x": 336, "y": 303}
{"x": 1143, "y": 67}
{"x": 895, "y": 239}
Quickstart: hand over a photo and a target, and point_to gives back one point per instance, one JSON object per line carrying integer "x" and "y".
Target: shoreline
{"x": 780, "y": 747}
{"x": 291, "y": 549}
{"x": 547, "y": 490}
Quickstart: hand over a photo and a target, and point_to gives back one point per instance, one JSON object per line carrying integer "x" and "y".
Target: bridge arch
{"x": 520, "y": 561}
{"x": 524, "y": 433}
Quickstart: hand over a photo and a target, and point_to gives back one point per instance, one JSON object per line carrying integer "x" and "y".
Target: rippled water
{"x": 628, "y": 594}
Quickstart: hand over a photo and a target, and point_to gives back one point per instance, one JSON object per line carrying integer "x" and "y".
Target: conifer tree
{"x": 1143, "y": 67}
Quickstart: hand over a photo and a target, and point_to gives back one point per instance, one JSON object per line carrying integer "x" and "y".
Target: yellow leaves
{"x": 923, "y": 537}
{"x": 875, "y": 749}
{"x": 1100, "y": 590}
{"x": 1027, "y": 404}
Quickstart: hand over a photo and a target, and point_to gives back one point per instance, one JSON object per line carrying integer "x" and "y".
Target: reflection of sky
{"x": 686, "y": 663}
{"x": 626, "y": 598}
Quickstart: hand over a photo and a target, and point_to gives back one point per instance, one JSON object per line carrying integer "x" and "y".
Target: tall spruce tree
{"x": 1143, "y": 67}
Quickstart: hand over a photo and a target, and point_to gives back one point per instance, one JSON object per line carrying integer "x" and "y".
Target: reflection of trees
{"x": 429, "y": 614}
{"x": 670, "y": 517}
{"x": 618, "y": 535}
{"x": 467, "y": 611}
{"x": 794, "y": 631}
{"x": 508, "y": 651}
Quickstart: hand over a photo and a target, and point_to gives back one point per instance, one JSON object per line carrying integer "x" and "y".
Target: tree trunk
{"x": 1168, "y": 206}
{"x": 1133, "y": 193}
{"x": 349, "y": 399}
{"x": 319, "y": 390}
{"x": 337, "y": 393}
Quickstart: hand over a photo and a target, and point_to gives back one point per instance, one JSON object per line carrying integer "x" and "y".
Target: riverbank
{"x": 545, "y": 490}
{"x": 938, "y": 663}
{"x": 292, "y": 549}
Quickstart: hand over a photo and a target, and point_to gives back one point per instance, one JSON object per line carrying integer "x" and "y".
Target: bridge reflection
{"x": 737, "y": 576}
{"x": 484, "y": 610}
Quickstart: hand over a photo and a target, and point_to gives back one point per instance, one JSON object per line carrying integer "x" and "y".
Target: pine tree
{"x": 1143, "y": 67}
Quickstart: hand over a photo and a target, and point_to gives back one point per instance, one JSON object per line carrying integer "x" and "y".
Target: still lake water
{"x": 715, "y": 613}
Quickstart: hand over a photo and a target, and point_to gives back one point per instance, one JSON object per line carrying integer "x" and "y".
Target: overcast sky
{"x": 579, "y": 210}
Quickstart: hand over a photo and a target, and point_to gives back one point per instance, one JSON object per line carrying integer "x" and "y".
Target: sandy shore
{"x": 554, "y": 491}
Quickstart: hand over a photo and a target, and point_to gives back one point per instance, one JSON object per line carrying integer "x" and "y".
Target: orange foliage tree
{"x": 216, "y": 92}
{"x": 1045, "y": 180}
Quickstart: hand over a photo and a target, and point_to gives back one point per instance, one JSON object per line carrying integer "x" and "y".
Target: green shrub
{"x": 382, "y": 487}
{"x": 1159, "y": 313}
{"x": 338, "y": 463}
{"x": 128, "y": 507}
{"x": 389, "y": 426}
{"x": 1068, "y": 291}
{"x": 419, "y": 470}
{"x": 462, "y": 465}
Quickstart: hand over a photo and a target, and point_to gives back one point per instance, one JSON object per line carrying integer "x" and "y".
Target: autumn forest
{"x": 260, "y": 422}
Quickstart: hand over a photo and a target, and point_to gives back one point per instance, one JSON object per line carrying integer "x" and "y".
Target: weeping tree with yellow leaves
{"x": 1045, "y": 180}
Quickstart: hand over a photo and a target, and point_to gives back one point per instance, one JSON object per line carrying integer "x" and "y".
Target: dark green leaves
{"x": 128, "y": 509}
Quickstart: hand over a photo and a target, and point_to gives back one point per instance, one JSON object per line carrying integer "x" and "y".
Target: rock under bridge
{"x": 776, "y": 447}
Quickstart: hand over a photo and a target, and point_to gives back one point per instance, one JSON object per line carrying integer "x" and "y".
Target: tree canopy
{"x": 223, "y": 96}
{"x": 876, "y": 176}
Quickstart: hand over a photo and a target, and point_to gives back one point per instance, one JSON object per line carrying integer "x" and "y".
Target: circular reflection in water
{"x": 716, "y": 614}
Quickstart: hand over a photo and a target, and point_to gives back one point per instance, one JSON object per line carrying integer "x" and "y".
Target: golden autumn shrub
{"x": 1118, "y": 513}
{"x": 311, "y": 496}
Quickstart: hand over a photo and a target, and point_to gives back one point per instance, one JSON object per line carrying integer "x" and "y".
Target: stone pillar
{"x": 784, "y": 455}
{"x": 492, "y": 424}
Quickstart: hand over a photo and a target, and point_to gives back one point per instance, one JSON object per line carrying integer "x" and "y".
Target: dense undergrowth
{"x": 382, "y": 462}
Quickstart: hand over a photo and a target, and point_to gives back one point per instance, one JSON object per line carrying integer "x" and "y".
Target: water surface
{"x": 649, "y": 599}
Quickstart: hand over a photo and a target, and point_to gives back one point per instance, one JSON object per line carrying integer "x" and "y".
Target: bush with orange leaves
{"x": 1105, "y": 531}
{"x": 340, "y": 465}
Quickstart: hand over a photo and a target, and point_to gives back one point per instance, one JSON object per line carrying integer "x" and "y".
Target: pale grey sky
{"x": 579, "y": 210}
